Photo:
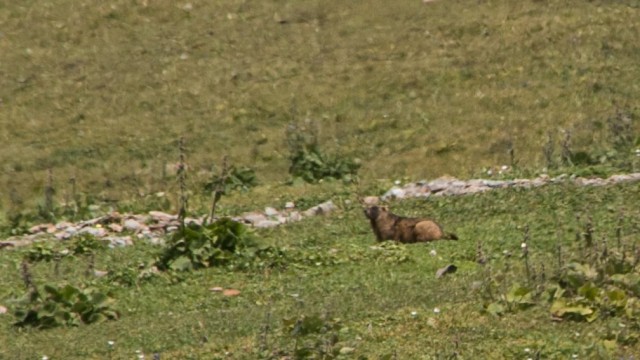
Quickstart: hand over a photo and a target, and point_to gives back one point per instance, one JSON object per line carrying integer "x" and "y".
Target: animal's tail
{"x": 450, "y": 236}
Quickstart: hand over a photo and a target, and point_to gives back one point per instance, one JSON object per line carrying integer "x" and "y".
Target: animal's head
{"x": 373, "y": 212}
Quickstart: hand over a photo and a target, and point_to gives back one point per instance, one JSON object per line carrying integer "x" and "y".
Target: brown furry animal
{"x": 388, "y": 226}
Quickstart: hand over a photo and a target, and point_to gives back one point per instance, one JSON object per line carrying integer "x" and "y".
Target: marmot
{"x": 388, "y": 226}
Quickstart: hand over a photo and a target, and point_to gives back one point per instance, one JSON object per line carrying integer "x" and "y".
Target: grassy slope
{"x": 103, "y": 92}
{"x": 373, "y": 296}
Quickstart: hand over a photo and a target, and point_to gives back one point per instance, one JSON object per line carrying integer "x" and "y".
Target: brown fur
{"x": 388, "y": 226}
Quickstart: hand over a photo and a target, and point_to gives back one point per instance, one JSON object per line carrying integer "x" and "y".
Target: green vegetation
{"x": 324, "y": 286}
{"x": 101, "y": 94}
{"x": 95, "y": 100}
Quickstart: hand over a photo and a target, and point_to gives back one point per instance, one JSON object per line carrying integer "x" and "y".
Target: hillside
{"x": 102, "y": 93}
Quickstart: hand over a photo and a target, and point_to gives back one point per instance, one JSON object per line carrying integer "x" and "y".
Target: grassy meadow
{"x": 94, "y": 98}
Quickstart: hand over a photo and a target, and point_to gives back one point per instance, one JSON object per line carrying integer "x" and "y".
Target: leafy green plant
{"x": 86, "y": 243}
{"x": 237, "y": 178}
{"x": 42, "y": 251}
{"x": 64, "y": 306}
{"x": 196, "y": 246}
{"x": 309, "y": 163}
{"x": 314, "y": 336}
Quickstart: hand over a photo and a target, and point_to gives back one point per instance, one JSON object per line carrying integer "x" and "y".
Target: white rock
{"x": 289, "y": 205}
{"x": 294, "y": 216}
{"x": 266, "y": 224}
{"x": 371, "y": 200}
{"x": 269, "y": 211}
{"x": 394, "y": 193}
{"x": 119, "y": 241}
{"x": 324, "y": 208}
{"x": 254, "y": 217}
{"x": 3, "y": 310}
{"x": 132, "y": 225}
{"x": 95, "y": 231}
{"x": 161, "y": 216}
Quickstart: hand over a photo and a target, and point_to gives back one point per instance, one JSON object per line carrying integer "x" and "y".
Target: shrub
{"x": 197, "y": 246}
{"x": 64, "y": 306}
{"x": 309, "y": 163}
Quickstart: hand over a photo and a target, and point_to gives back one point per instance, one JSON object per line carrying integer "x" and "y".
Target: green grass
{"x": 370, "y": 292}
{"x": 102, "y": 93}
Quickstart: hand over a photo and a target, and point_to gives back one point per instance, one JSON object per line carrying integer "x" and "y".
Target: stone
{"x": 289, "y": 205}
{"x": 95, "y": 231}
{"x": 254, "y": 217}
{"x": 371, "y": 200}
{"x": 324, "y": 208}
{"x": 394, "y": 193}
{"x": 269, "y": 211}
{"x": 3, "y": 310}
{"x": 119, "y": 241}
{"x": 162, "y": 217}
{"x": 449, "y": 269}
{"x": 230, "y": 292}
{"x": 266, "y": 224}
{"x": 132, "y": 225}
{"x": 115, "y": 227}
{"x": 216, "y": 289}
{"x": 294, "y": 216}
{"x": 100, "y": 273}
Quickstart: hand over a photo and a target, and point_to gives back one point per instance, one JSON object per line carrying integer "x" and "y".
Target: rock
{"x": 394, "y": 193}
{"x": 66, "y": 233}
{"x": 324, "y": 208}
{"x": 371, "y": 200}
{"x": 39, "y": 228}
{"x": 132, "y": 225}
{"x": 100, "y": 273}
{"x": 346, "y": 350}
{"x": 216, "y": 289}
{"x": 289, "y": 205}
{"x": 230, "y": 292}
{"x": 449, "y": 269}
{"x": 3, "y": 310}
{"x": 118, "y": 241}
{"x": 115, "y": 227}
{"x": 254, "y": 217}
{"x": 266, "y": 224}
{"x": 294, "y": 216}
{"x": 440, "y": 184}
{"x": 95, "y": 231}
{"x": 160, "y": 216}
{"x": 269, "y": 211}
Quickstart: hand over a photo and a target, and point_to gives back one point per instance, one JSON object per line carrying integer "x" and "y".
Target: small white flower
{"x": 523, "y": 245}
{"x": 45, "y": 357}
{"x": 577, "y": 334}
{"x": 489, "y": 172}
{"x": 574, "y": 356}
{"x": 110, "y": 343}
{"x": 436, "y": 310}
{"x": 504, "y": 168}
{"x": 527, "y": 350}
{"x": 433, "y": 252}
{"x": 397, "y": 182}
{"x": 414, "y": 313}
{"x": 506, "y": 253}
